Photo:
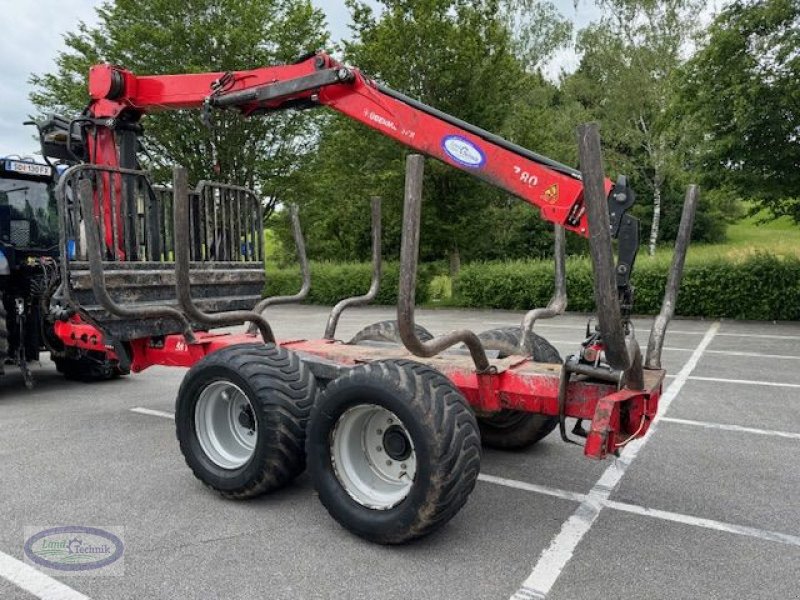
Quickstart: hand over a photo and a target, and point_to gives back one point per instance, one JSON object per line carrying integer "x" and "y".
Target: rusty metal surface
{"x": 350, "y": 354}
{"x": 336, "y": 312}
{"x": 659, "y": 330}
{"x": 605, "y": 291}
{"x": 409, "y": 253}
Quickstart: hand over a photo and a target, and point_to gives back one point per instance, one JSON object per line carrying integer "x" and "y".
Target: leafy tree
{"x": 625, "y": 81}
{"x": 161, "y": 37}
{"x": 741, "y": 101}
{"x": 476, "y": 60}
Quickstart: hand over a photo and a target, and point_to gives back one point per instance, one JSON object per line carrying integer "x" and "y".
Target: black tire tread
{"x": 456, "y": 449}
{"x": 506, "y": 340}
{"x": 387, "y": 331}
{"x": 279, "y": 375}
{"x": 510, "y": 429}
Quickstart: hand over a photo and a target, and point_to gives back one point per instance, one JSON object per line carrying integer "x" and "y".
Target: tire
{"x": 3, "y": 333}
{"x": 276, "y": 391}
{"x": 442, "y": 441}
{"x": 516, "y": 429}
{"x": 387, "y": 331}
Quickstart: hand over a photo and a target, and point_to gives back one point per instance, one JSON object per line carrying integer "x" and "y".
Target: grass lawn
{"x": 748, "y": 236}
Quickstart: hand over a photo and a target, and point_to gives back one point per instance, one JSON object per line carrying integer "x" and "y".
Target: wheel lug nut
{"x": 380, "y": 431}
{"x": 403, "y": 466}
{"x": 379, "y": 449}
{"x": 388, "y": 463}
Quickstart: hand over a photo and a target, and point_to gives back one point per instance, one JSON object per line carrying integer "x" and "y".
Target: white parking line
{"x": 754, "y": 354}
{"x": 765, "y": 336}
{"x": 745, "y": 381}
{"x": 35, "y": 582}
{"x": 739, "y": 428}
{"x": 664, "y": 515}
{"x": 762, "y": 534}
{"x": 556, "y": 556}
{"x": 532, "y": 487}
{"x": 153, "y": 413}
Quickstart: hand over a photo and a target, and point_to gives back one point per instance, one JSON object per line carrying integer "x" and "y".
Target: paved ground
{"x": 707, "y": 507}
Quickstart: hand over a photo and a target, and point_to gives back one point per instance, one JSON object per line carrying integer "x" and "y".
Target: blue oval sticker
{"x": 463, "y": 151}
{"x": 74, "y": 548}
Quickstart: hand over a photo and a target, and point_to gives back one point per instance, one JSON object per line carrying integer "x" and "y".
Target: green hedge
{"x": 759, "y": 286}
{"x": 330, "y": 282}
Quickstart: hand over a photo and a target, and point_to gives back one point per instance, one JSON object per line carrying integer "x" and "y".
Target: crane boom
{"x": 319, "y": 80}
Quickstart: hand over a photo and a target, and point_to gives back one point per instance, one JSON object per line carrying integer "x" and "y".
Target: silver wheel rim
{"x": 226, "y": 425}
{"x": 369, "y": 456}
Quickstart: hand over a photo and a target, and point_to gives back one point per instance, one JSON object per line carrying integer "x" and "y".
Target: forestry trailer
{"x": 391, "y": 422}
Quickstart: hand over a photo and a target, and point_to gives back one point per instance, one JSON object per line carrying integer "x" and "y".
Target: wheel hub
{"x": 247, "y": 419}
{"x": 225, "y": 425}
{"x": 373, "y": 456}
{"x": 396, "y": 443}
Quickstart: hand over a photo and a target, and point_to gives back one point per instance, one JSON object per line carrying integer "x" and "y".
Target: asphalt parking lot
{"x": 706, "y": 506}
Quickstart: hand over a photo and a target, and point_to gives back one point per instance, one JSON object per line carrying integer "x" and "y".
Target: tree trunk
{"x": 656, "y": 224}
{"x": 455, "y": 261}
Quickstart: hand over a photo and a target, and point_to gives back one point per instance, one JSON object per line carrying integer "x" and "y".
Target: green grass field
{"x": 746, "y": 237}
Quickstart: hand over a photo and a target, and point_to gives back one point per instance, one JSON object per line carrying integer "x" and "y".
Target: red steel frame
{"x": 617, "y": 416}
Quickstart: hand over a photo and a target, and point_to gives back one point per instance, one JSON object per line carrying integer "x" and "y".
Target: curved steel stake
{"x": 300, "y": 243}
{"x": 558, "y": 303}
{"x": 656, "y": 343}
{"x": 336, "y": 312}
{"x": 409, "y": 253}
{"x": 605, "y": 290}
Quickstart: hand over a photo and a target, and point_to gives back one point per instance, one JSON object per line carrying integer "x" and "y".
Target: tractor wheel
{"x": 241, "y": 417}
{"x": 393, "y": 450}
{"x": 516, "y": 429}
{"x": 387, "y": 331}
{"x": 3, "y": 333}
{"x": 94, "y": 367}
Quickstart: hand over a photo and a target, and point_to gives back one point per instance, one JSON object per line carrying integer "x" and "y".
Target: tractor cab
{"x": 28, "y": 211}
{"x": 29, "y": 234}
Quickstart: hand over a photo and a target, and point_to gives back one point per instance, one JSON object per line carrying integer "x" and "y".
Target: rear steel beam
{"x": 409, "y": 254}
{"x": 336, "y": 312}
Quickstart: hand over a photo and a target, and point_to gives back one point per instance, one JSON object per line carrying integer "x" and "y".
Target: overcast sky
{"x": 32, "y": 36}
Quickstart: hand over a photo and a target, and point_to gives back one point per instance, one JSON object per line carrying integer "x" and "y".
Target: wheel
{"x": 240, "y": 418}
{"x": 387, "y": 331}
{"x": 393, "y": 450}
{"x": 516, "y": 429}
{"x": 3, "y": 333}
{"x": 93, "y": 366}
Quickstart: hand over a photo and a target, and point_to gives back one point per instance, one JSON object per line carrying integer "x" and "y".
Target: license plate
{"x": 28, "y": 168}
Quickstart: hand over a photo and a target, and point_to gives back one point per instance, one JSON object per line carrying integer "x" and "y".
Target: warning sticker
{"x": 551, "y": 194}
